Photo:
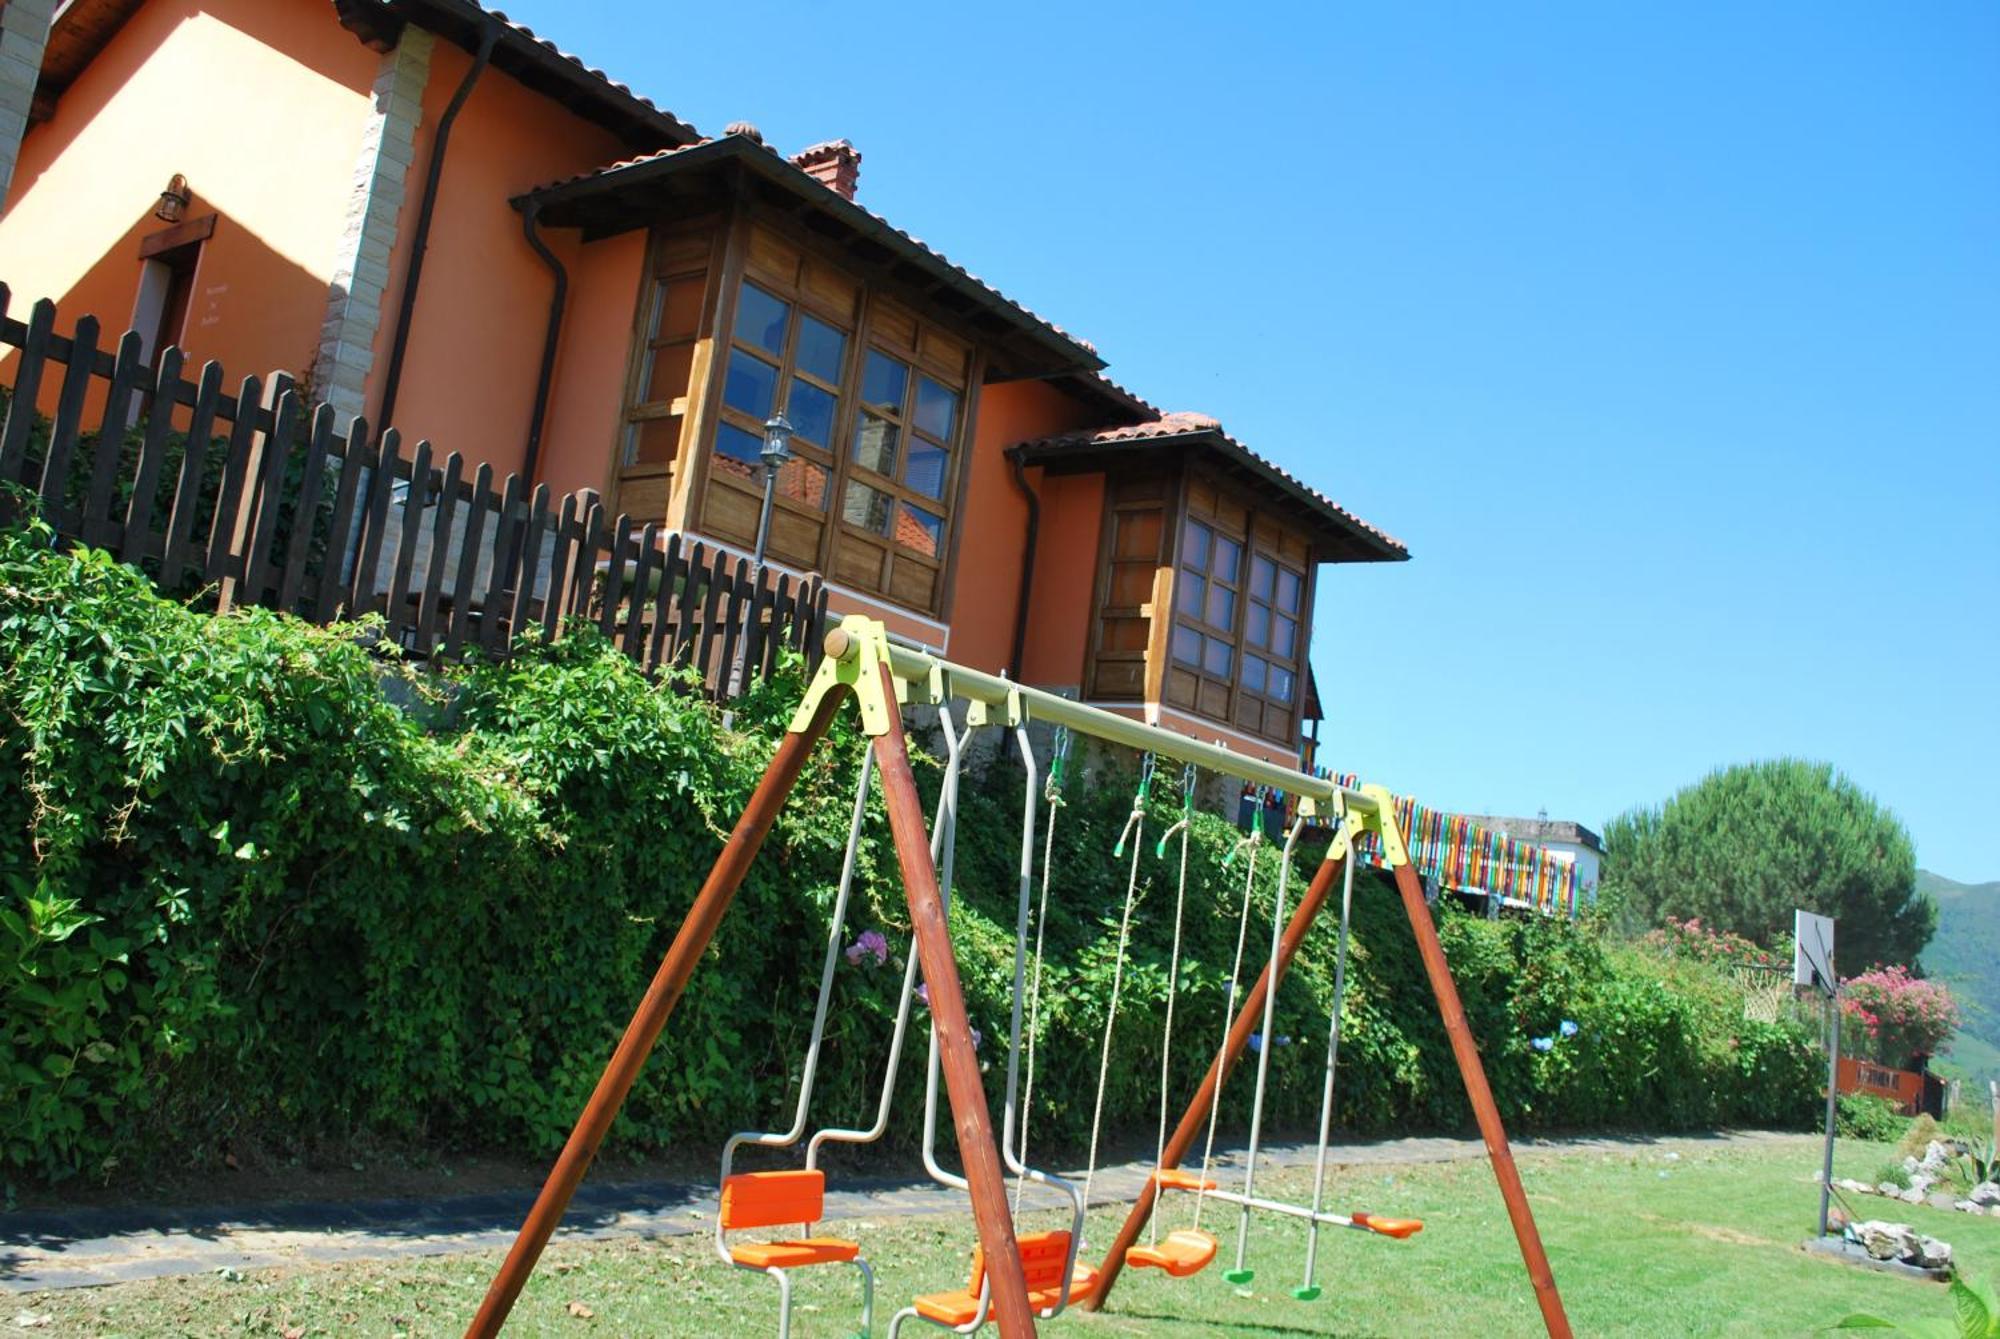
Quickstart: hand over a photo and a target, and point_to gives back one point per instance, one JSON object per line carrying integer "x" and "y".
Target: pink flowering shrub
{"x": 1691, "y": 939}
{"x": 1905, "y": 1016}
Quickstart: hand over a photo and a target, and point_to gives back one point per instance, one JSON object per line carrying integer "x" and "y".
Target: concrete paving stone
{"x": 74, "y": 1248}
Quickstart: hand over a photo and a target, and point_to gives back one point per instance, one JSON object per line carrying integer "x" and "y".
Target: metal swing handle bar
{"x": 947, "y": 809}
{"x": 786, "y": 1138}
{"x": 1014, "y": 1157}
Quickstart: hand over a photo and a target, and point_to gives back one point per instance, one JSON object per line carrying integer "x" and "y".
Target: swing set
{"x": 1018, "y": 1279}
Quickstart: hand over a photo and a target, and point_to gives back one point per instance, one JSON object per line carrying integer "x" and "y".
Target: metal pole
{"x": 1196, "y": 1116}
{"x": 658, "y": 1005}
{"x": 1483, "y": 1108}
{"x": 764, "y": 516}
{"x": 1832, "y": 1087}
{"x": 952, "y": 1029}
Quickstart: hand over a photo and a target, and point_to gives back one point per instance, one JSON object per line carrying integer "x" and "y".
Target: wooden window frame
{"x": 1253, "y": 538}
{"x": 877, "y": 309}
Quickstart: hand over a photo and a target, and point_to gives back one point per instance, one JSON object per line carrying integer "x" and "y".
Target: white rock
{"x": 1911, "y": 1164}
{"x": 1935, "y": 1155}
{"x": 1986, "y": 1193}
{"x": 1921, "y": 1183}
{"x": 1886, "y": 1241}
{"x": 1912, "y": 1196}
{"x": 1933, "y": 1254}
{"x": 1967, "y": 1206}
{"x": 1854, "y": 1187}
{"x": 1889, "y": 1188}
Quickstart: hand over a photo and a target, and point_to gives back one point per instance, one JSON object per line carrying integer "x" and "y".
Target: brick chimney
{"x": 836, "y": 165}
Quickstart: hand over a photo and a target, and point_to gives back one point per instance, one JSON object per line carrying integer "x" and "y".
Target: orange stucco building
{"x": 431, "y": 217}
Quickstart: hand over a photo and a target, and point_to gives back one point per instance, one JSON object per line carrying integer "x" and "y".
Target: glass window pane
{"x": 1187, "y": 645}
{"x": 1253, "y": 674}
{"x": 804, "y": 482}
{"x": 682, "y": 318}
{"x": 1221, "y": 610}
{"x": 811, "y": 411}
{"x": 1284, "y": 638}
{"x": 822, "y": 349}
{"x": 869, "y": 508}
{"x": 656, "y": 308}
{"x": 760, "y": 319}
{"x": 875, "y": 445}
{"x": 937, "y": 409}
{"x": 926, "y": 469}
{"x": 1289, "y": 586}
{"x": 1227, "y": 553}
{"x": 737, "y": 453}
{"x": 1194, "y": 547}
{"x": 1282, "y": 681}
{"x": 1257, "y": 625}
{"x": 1216, "y": 656}
{"x": 883, "y": 381}
{"x": 920, "y": 530}
{"x": 1262, "y": 573}
{"x": 1194, "y": 593}
{"x": 751, "y": 386}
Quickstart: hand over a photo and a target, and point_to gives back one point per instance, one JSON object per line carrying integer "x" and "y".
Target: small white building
{"x": 1567, "y": 841}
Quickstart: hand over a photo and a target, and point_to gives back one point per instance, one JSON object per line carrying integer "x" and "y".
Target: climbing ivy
{"x": 260, "y": 883}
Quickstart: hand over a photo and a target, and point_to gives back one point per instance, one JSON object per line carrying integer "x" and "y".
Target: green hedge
{"x": 261, "y": 883}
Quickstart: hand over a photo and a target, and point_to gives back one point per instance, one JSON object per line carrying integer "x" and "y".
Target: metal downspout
{"x": 1027, "y": 565}
{"x": 530, "y": 218}
{"x": 413, "y": 272}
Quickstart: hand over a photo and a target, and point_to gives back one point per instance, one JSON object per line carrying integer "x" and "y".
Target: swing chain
{"x": 1259, "y": 796}
{"x": 1147, "y": 764}
{"x": 1058, "y": 765}
{"x": 1187, "y": 812}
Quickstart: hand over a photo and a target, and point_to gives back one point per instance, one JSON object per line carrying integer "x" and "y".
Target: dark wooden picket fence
{"x": 254, "y": 498}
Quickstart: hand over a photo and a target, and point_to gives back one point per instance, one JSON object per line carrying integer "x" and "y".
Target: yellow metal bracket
{"x": 1008, "y": 713}
{"x": 1381, "y": 820}
{"x": 856, "y": 653}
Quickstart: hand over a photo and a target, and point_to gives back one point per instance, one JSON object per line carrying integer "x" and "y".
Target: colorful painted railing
{"x": 1466, "y": 857}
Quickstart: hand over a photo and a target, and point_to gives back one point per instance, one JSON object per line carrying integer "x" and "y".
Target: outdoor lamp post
{"x": 777, "y": 451}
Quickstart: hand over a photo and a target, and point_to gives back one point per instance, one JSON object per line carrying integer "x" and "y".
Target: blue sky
{"x": 1668, "y": 337}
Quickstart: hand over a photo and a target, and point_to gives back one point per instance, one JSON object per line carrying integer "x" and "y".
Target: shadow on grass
{"x": 1244, "y": 1326}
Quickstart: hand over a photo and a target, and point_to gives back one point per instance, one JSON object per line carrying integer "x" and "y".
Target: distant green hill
{"x": 1966, "y": 954}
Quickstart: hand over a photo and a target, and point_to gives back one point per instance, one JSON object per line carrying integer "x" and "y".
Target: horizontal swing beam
{"x": 859, "y": 643}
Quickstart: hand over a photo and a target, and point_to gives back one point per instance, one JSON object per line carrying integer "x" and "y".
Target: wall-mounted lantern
{"x": 174, "y": 200}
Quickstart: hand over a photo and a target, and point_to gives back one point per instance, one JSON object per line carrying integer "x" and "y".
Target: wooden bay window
{"x": 878, "y": 399}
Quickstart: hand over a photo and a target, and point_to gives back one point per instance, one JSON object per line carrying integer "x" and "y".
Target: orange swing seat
{"x": 777, "y": 1199}
{"x": 1043, "y": 1255}
{"x": 1179, "y": 1254}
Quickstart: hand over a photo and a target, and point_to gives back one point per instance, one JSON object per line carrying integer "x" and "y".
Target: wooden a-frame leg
{"x": 1195, "y": 1119}
{"x": 978, "y": 1151}
{"x": 1483, "y": 1108}
{"x": 665, "y": 992}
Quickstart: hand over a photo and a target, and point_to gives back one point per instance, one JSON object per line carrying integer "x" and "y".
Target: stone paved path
{"x": 55, "y": 1249}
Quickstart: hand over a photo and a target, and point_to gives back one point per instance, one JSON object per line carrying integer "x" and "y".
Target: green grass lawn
{"x": 1705, "y": 1243}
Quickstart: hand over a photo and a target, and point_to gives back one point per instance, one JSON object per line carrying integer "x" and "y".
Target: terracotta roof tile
{"x": 642, "y": 105}
{"x": 611, "y": 170}
{"x": 1167, "y": 427}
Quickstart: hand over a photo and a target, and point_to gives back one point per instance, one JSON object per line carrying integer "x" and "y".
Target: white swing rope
{"x": 1344, "y": 834}
{"x": 1267, "y": 1045}
{"x": 1250, "y": 844}
{"x": 1135, "y": 831}
{"x": 1058, "y": 764}
{"x": 1173, "y": 986}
